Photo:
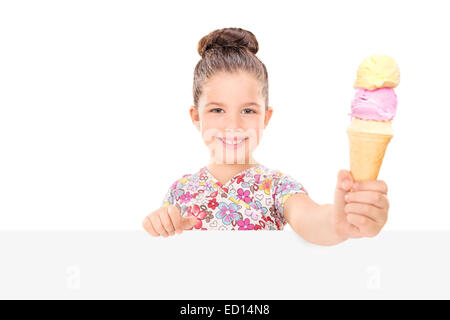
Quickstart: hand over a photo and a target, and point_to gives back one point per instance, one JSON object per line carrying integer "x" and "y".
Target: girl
{"x": 234, "y": 191}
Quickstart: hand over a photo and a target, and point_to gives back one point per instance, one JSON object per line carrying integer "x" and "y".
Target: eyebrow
{"x": 245, "y": 104}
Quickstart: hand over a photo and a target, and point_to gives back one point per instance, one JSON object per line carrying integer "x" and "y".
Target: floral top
{"x": 251, "y": 200}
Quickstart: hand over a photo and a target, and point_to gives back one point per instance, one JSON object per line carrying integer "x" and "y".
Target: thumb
{"x": 344, "y": 184}
{"x": 189, "y": 222}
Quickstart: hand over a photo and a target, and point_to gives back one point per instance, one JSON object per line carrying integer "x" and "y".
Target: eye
{"x": 252, "y": 111}
{"x": 212, "y": 110}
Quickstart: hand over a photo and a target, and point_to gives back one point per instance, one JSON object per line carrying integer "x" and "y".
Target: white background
{"x": 94, "y": 100}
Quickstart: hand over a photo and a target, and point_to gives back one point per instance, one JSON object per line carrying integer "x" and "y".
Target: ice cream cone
{"x": 373, "y": 108}
{"x": 368, "y": 142}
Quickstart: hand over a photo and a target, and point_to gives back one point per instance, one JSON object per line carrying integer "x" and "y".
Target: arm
{"x": 311, "y": 221}
{"x": 359, "y": 210}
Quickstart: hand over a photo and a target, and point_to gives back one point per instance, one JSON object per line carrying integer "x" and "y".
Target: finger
{"x": 367, "y": 227}
{"x": 175, "y": 216}
{"x": 147, "y": 224}
{"x": 156, "y": 222}
{"x": 376, "y": 214}
{"x": 343, "y": 185}
{"x": 377, "y": 199}
{"x": 353, "y": 231}
{"x": 167, "y": 222}
{"x": 189, "y": 222}
{"x": 344, "y": 181}
{"x": 371, "y": 185}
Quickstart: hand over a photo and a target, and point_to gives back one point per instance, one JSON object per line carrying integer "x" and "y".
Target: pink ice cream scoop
{"x": 379, "y": 104}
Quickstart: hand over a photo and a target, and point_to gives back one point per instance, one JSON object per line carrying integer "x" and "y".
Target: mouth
{"x": 232, "y": 143}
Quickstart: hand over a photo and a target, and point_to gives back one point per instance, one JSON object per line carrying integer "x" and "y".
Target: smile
{"x": 232, "y": 143}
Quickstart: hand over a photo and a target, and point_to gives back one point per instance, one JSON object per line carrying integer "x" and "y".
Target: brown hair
{"x": 230, "y": 50}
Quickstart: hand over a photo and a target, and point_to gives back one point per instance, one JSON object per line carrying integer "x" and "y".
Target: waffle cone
{"x": 366, "y": 153}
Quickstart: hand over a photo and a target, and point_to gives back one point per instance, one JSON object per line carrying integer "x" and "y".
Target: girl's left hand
{"x": 361, "y": 208}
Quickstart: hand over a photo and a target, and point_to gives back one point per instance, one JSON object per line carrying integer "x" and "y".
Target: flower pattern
{"x": 245, "y": 225}
{"x": 266, "y": 186}
{"x": 196, "y": 211}
{"x": 213, "y": 204}
{"x": 185, "y": 198}
{"x": 251, "y": 200}
{"x": 227, "y": 213}
{"x": 244, "y": 195}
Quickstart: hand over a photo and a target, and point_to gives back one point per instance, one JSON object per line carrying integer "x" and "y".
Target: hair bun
{"x": 228, "y": 37}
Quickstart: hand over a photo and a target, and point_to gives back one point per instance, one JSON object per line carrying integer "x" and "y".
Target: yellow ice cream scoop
{"x": 377, "y": 71}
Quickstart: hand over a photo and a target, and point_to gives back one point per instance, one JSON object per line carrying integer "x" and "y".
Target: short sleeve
{"x": 283, "y": 190}
{"x": 169, "y": 197}
{"x": 174, "y": 190}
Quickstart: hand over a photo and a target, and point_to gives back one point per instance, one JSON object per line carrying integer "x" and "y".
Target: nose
{"x": 233, "y": 123}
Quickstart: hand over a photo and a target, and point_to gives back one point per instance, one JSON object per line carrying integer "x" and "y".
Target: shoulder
{"x": 184, "y": 180}
{"x": 278, "y": 176}
{"x": 179, "y": 187}
{"x": 188, "y": 182}
{"x": 271, "y": 172}
{"x": 283, "y": 182}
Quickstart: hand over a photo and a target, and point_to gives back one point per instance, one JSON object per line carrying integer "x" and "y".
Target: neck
{"x": 225, "y": 171}
{"x": 249, "y": 162}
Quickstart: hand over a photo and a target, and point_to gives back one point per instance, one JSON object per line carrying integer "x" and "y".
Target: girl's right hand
{"x": 166, "y": 221}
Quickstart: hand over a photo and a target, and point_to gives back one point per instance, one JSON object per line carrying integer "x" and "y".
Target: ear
{"x": 193, "y": 112}
{"x": 268, "y": 115}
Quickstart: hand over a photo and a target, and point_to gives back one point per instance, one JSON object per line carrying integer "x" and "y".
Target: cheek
{"x": 209, "y": 129}
{"x": 253, "y": 122}
{"x": 255, "y": 125}
{"x": 209, "y": 121}
{"x": 261, "y": 122}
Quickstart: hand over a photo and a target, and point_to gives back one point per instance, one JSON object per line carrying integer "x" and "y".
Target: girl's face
{"x": 231, "y": 116}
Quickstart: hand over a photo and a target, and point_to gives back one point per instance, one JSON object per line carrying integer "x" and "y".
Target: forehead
{"x": 229, "y": 87}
